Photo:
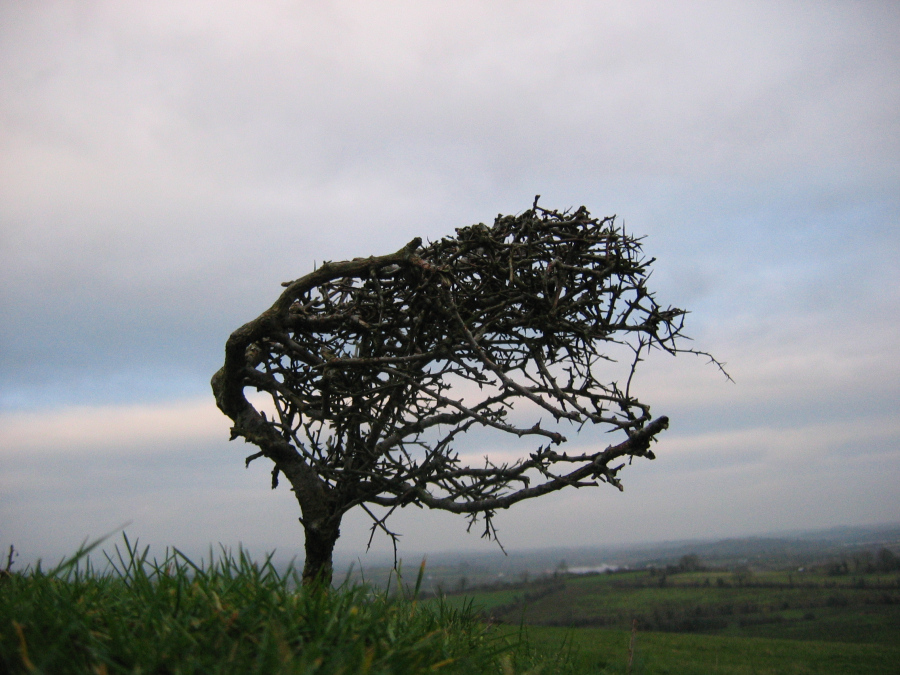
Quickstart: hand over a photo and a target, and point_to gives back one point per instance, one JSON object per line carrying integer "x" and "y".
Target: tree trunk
{"x": 321, "y": 536}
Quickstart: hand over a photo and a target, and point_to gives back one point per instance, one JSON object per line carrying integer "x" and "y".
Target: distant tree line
{"x": 864, "y": 562}
{"x": 686, "y": 563}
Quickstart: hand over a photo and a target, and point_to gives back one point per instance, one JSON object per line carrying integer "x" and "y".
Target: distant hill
{"x": 769, "y": 551}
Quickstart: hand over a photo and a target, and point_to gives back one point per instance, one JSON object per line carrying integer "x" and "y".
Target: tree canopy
{"x": 378, "y": 367}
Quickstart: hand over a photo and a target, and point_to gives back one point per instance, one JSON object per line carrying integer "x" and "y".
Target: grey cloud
{"x": 164, "y": 166}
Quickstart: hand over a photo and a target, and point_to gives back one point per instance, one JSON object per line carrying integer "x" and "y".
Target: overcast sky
{"x": 165, "y": 165}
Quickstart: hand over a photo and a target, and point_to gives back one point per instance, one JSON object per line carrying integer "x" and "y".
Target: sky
{"x": 165, "y": 166}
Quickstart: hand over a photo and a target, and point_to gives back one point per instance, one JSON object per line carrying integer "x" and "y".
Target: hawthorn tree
{"x": 377, "y": 367}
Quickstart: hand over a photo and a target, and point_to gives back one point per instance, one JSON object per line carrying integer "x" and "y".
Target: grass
{"x": 232, "y": 615}
{"x": 235, "y": 616}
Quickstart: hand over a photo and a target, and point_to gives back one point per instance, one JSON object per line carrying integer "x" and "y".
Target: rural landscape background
{"x": 808, "y": 602}
{"x": 834, "y": 552}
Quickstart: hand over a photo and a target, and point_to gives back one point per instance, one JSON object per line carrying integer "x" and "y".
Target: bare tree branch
{"x": 378, "y": 366}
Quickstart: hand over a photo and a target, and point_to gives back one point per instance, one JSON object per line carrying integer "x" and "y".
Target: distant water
{"x": 593, "y": 570}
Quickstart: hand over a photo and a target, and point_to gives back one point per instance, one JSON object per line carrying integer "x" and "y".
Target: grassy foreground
{"x": 233, "y": 616}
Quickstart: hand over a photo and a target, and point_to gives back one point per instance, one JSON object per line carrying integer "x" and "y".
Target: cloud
{"x": 111, "y": 429}
{"x": 164, "y": 166}
{"x": 169, "y": 471}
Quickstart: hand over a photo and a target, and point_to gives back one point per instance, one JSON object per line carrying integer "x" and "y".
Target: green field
{"x": 707, "y": 622}
{"x": 861, "y": 609}
{"x": 597, "y": 650}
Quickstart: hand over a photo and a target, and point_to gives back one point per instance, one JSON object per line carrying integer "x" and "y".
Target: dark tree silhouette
{"x": 376, "y": 368}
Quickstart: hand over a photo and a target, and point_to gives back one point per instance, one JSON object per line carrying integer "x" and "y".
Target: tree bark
{"x": 321, "y": 536}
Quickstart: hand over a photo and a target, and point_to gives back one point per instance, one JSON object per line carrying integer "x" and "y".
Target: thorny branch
{"x": 377, "y": 366}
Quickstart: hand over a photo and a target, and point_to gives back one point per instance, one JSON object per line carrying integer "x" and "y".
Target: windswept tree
{"x": 377, "y": 368}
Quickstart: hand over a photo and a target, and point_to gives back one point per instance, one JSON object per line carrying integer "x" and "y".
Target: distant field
{"x": 707, "y": 622}
{"x": 862, "y": 609}
{"x": 593, "y": 650}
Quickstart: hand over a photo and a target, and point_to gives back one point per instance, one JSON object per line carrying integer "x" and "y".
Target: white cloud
{"x": 112, "y": 429}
